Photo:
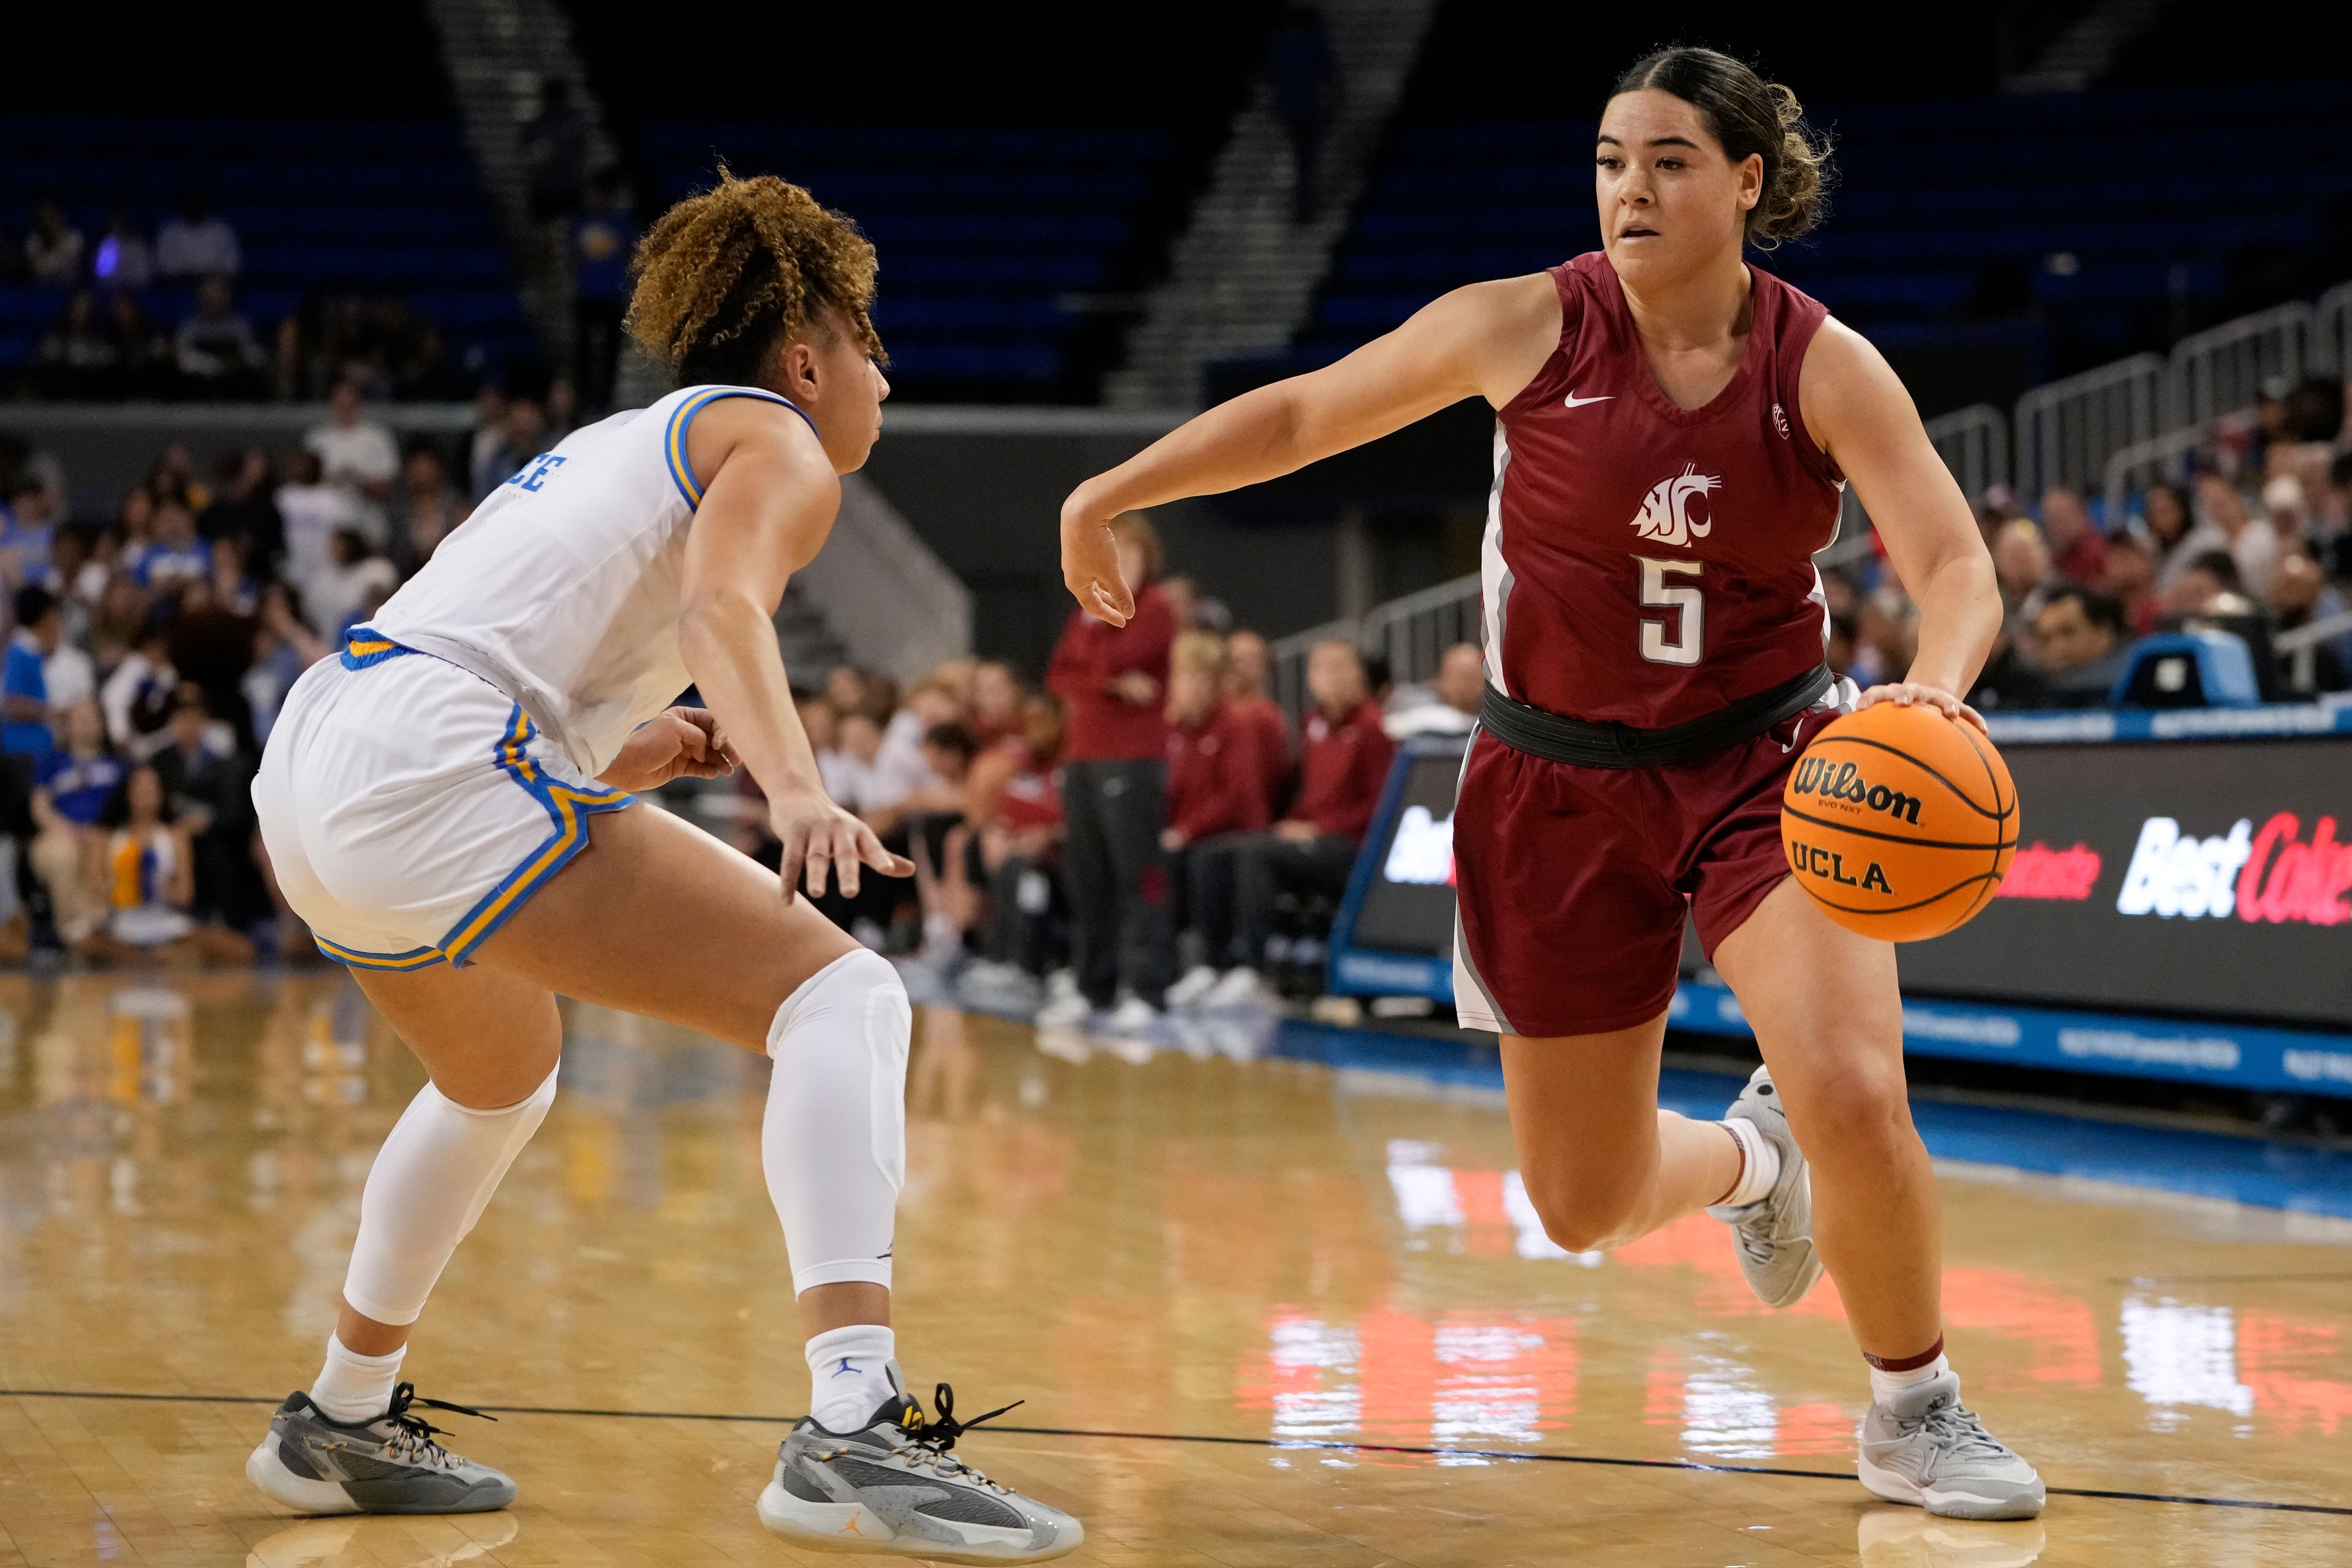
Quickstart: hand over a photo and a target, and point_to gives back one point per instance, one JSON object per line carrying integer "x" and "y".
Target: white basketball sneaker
{"x": 1241, "y": 986}
{"x": 390, "y": 1464}
{"x": 1133, "y": 1018}
{"x": 1066, "y": 1012}
{"x": 892, "y": 1488}
{"x": 1197, "y": 982}
{"x": 1774, "y": 1235}
{"x": 1924, "y": 1447}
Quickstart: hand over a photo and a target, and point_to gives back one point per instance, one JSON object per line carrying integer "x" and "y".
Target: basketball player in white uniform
{"x": 445, "y": 804}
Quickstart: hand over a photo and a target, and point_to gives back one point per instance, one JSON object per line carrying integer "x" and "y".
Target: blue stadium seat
{"x": 2110, "y": 204}
{"x": 983, "y": 234}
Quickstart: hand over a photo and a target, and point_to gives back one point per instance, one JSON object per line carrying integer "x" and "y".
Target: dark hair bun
{"x": 1751, "y": 118}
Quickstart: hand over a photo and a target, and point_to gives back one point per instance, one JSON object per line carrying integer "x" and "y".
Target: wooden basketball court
{"x": 1263, "y": 1312}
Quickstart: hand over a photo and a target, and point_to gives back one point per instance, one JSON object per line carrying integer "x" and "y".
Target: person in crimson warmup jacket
{"x": 1247, "y": 670}
{"x": 1237, "y": 880}
{"x": 1012, "y": 799}
{"x": 1115, "y": 794}
{"x": 1214, "y": 776}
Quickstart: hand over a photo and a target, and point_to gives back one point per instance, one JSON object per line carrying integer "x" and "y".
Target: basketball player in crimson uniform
{"x": 1672, "y": 427}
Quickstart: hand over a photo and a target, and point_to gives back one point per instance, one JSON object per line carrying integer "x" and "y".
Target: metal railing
{"x": 1412, "y": 634}
{"x": 2331, "y": 333}
{"x": 1973, "y": 443}
{"x": 2299, "y": 649}
{"x": 2221, "y": 370}
{"x": 2068, "y": 429}
{"x": 2141, "y": 464}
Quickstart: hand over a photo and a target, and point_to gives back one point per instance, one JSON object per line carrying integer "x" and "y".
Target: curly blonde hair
{"x": 727, "y": 272}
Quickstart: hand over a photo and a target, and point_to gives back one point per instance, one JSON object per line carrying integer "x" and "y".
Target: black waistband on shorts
{"x": 1558, "y": 738}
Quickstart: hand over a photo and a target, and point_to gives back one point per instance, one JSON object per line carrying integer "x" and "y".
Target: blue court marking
{"x": 2254, "y": 1056}
{"x": 2271, "y": 719}
{"x": 2245, "y": 1170}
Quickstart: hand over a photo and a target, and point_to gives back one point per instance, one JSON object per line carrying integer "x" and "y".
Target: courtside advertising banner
{"x": 2209, "y": 876}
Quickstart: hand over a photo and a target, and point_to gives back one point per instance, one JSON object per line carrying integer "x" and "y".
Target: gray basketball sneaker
{"x": 1774, "y": 1235}
{"x": 388, "y": 1465}
{"x": 892, "y": 1488}
{"x": 1924, "y": 1447}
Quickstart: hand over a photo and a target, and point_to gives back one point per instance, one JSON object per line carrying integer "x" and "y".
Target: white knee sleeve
{"x": 430, "y": 1183}
{"x": 835, "y": 1142}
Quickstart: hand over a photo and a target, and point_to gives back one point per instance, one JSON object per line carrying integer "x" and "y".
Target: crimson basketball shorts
{"x": 1573, "y": 883}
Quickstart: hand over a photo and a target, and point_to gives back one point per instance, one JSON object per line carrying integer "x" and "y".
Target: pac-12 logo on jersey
{"x": 1667, "y": 514}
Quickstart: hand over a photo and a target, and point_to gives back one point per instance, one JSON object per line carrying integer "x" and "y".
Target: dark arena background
{"x": 285, "y": 292}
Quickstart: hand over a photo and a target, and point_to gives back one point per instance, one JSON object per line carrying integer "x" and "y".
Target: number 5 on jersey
{"x": 1679, "y": 638}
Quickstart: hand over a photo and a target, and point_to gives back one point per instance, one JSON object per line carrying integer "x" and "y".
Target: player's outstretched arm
{"x": 1857, "y": 411}
{"x": 766, "y": 510}
{"x": 1488, "y": 340}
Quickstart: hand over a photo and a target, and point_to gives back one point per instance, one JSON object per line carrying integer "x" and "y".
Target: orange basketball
{"x": 1899, "y": 822}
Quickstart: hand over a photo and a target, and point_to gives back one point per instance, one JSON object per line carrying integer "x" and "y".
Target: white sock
{"x": 1885, "y": 1385}
{"x": 833, "y": 1143}
{"x": 1760, "y": 1164}
{"x": 430, "y": 1183}
{"x": 355, "y": 1387}
{"x": 850, "y": 1374}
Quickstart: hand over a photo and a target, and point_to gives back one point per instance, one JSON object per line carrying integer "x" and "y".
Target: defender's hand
{"x": 1090, "y": 566}
{"x": 680, "y": 742}
{"x": 1904, "y": 693}
{"x": 822, "y": 842}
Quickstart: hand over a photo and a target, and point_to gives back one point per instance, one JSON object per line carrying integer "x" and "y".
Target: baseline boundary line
{"x": 1309, "y": 1444}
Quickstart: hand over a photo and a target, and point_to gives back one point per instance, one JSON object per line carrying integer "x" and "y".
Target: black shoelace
{"x": 940, "y": 1434}
{"x": 417, "y": 1434}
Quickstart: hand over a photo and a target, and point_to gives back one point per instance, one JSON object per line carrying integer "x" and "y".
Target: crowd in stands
{"x": 1146, "y": 830}
{"x": 159, "y": 317}
{"x": 2252, "y": 538}
{"x": 1143, "y": 828}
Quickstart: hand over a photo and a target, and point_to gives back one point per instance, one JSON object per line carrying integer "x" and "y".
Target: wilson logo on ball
{"x": 1832, "y": 780}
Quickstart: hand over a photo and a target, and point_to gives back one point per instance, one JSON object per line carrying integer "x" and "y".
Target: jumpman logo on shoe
{"x": 1573, "y": 400}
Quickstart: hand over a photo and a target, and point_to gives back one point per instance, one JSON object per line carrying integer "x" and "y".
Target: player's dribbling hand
{"x": 678, "y": 743}
{"x": 823, "y": 843}
{"x": 1904, "y": 693}
{"x": 1090, "y": 566}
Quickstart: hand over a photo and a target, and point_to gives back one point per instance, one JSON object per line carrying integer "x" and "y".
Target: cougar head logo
{"x": 1667, "y": 511}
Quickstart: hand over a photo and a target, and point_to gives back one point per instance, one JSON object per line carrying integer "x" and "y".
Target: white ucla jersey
{"x": 562, "y": 587}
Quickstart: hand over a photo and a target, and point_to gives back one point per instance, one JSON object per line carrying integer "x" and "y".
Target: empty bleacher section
{"x": 998, "y": 247}
{"x": 2073, "y": 227}
{"x": 1988, "y": 241}
{"x": 1020, "y": 206}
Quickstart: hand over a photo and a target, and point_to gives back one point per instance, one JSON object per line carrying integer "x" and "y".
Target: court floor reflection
{"x": 1335, "y": 1272}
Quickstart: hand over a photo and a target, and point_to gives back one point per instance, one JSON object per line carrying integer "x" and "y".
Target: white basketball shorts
{"x": 409, "y": 806}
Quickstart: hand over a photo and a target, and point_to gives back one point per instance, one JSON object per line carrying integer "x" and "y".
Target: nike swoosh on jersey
{"x": 1573, "y": 400}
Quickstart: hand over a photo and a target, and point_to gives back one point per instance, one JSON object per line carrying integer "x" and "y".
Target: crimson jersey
{"x": 1646, "y": 564}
